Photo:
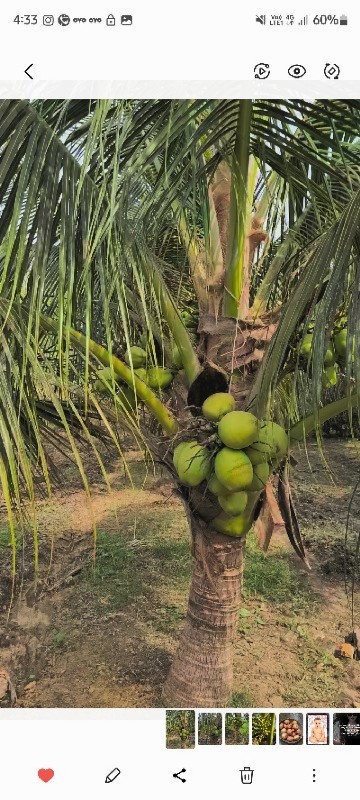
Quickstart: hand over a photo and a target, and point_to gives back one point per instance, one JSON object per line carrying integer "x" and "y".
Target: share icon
{"x": 178, "y": 774}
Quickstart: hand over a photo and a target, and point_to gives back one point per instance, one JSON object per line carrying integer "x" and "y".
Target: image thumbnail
{"x": 317, "y": 729}
{"x": 290, "y": 728}
{"x": 180, "y": 729}
{"x": 236, "y": 728}
{"x": 210, "y": 729}
{"x": 346, "y": 729}
{"x": 263, "y": 728}
{"x": 178, "y": 313}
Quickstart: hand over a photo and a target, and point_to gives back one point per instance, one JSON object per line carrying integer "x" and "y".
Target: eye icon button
{"x": 297, "y": 71}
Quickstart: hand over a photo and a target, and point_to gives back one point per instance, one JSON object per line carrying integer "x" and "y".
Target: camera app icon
{"x": 48, "y": 19}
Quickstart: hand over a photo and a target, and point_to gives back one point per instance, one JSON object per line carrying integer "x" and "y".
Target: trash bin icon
{"x": 246, "y": 775}
{"x": 110, "y": 20}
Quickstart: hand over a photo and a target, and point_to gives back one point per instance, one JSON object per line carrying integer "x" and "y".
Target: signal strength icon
{"x": 261, "y": 18}
{"x": 304, "y": 20}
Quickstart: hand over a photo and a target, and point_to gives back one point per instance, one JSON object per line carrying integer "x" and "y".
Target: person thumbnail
{"x": 317, "y": 729}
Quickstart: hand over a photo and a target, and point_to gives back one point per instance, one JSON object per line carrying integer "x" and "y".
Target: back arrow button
{"x": 28, "y": 73}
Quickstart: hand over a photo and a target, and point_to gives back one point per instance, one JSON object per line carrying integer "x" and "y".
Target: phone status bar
{"x": 292, "y": 20}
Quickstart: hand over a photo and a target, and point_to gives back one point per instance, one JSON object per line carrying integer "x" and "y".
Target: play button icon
{"x": 262, "y": 71}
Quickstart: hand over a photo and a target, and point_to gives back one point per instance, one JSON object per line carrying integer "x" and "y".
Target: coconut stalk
{"x": 146, "y": 395}
{"x": 311, "y": 423}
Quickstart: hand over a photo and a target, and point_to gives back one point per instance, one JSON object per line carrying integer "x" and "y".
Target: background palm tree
{"x": 222, "y": 227}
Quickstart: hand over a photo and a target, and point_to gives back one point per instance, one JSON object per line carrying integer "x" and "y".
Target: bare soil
{"x": 102, "y": 633}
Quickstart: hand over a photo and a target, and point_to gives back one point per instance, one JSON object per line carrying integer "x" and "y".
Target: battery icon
{"x": 343, "y": 19}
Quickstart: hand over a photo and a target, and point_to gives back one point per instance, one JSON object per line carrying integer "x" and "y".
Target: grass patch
{"x": 115, "y": 573}
{"x": 169, "y": 618}
{"x": 271, "y": 577}
{"x": 59, "y": 638}
{"x": 241, "y": 700}
{"x": 5, "y": 538}
{"x": 148, "y": 566}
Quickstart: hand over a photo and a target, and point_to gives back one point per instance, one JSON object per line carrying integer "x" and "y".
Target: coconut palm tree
{"x": 214, "y": 233}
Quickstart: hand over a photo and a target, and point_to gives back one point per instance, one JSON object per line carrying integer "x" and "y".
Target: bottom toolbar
{"x": 91, "y": 756}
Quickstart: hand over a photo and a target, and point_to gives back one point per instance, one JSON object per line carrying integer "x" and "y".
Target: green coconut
{"x": 176, "y": 357}
{"x": 306, "y": 345}
{"x": 135, "y": 356}
{"x": 214, "y": 485}
{"x": 238, "y": 429}
{"x": 340, "y": 340}
{"x": 178, "y": 449}
{"x": 261, "y": 475}
{"x": 232, "y": 526}
{"x": 102, "y": 376}
{"x": 141, "y": 373}
{"x": 233, "y": 469}
{"x": 188, "y": 319}
{"x": 329, "y": 378}
{"x": 256, "y": 456}
{"x": 217, "y": 405}
{"x": 234, "y": 503}
{"x": 193, "y": 464}
{"x": 159, "y": 377}
{"x": 329, "y": 356}
{"x": 272, "y": 443}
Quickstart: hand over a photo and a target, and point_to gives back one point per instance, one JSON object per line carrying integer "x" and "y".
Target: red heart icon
{"x": 46, "y": 774}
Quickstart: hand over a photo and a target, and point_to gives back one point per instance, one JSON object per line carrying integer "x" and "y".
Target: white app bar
{"x": 160, "y": 42}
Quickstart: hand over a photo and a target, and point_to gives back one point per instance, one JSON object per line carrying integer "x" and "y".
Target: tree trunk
{"x": 201, "y": 675}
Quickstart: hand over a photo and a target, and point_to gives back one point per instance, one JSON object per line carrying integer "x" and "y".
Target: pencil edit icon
{"x": 112, "y": 775}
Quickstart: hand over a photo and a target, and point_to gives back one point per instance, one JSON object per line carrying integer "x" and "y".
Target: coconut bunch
{"x": 237, "y": 469}
{"x": 157, "y": 378}
{"x": 335, "y": 354}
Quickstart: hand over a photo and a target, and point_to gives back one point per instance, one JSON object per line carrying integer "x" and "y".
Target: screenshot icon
{"x": 179, "y": 400}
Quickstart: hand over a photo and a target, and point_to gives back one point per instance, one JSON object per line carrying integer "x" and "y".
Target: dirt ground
{"x": 102, "y": 634}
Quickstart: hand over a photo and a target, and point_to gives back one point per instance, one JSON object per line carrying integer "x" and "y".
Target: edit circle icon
{"x": 332, "y": 71}
{"x": 297, "y": 71}
{"x": 262, "y": 71}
